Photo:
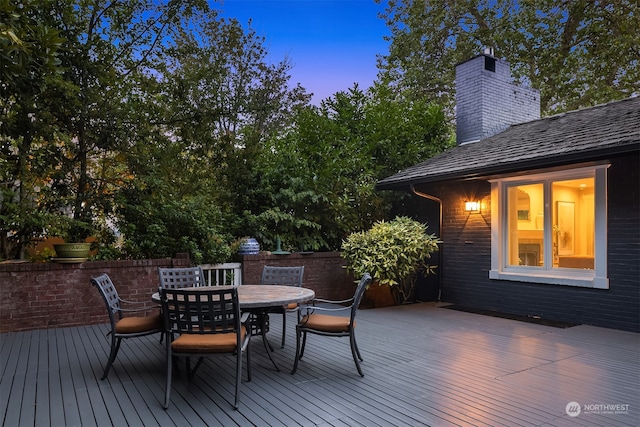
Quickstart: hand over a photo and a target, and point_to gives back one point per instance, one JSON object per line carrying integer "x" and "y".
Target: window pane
{"x": 525, "y": 212}
{"x": 573, "y": 223}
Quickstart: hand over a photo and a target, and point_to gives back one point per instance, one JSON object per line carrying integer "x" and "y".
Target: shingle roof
{"x": 576, "y": 136}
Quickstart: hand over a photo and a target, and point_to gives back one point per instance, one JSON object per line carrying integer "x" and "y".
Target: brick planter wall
{"x": 323, "y": 272}
{"x": 50, "y": 295}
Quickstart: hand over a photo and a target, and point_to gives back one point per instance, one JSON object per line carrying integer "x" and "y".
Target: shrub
{"x": 393, "y": 252}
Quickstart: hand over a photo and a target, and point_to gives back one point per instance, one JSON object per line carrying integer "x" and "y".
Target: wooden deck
{"x": 424, "y": 365}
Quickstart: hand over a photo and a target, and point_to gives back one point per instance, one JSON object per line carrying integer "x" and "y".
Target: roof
{"x": 572, "y": 137}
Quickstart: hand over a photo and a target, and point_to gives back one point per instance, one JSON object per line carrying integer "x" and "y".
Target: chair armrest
{"x": 312, "y": 308}
{"x": 133, "y": 302}
{"x": 332, "y": 301}
{"x": 135, "y": 310}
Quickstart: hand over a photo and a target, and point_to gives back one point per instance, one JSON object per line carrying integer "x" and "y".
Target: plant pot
{"x": 249, "y": 246}
{"x": 377, "y": 296}
{"x": 71, "y": 252}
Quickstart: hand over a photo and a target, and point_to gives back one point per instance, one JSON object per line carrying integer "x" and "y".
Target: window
{"x": 551, "y": 228}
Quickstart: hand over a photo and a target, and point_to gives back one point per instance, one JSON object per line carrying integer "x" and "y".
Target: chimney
{"x": 487, "y": 99}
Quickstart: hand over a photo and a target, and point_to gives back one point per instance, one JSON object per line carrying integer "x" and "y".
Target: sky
{"x": 331, "y": 44}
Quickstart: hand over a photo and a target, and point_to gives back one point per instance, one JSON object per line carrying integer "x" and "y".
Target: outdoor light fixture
{"x": 472, "y": 206}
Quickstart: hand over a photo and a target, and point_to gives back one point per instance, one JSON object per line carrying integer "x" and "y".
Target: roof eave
{"x": 512, "y": 167}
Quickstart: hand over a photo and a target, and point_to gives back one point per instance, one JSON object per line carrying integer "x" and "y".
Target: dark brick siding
{"x": 466, "y": 258}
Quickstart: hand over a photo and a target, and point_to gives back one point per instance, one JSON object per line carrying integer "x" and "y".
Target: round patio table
{"x": 257, "y": 299}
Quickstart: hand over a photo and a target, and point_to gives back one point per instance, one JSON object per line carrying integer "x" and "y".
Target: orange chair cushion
{"x": 134, "y": 325}
{"x": 326, "y": 323}
{"x": 291, "y": 306}
{"x": 207, "y": 343}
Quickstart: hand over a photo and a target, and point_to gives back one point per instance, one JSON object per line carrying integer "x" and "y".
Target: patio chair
{"x": 182, "y": 277}
{"x": 285, "y": 276}
{"x": 315, "y": 322}
{"x": 121, "y": 326}
{"x": 205, "y": 322}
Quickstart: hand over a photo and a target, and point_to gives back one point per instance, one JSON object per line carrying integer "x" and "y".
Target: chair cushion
{"x": 134, "y": 325}
{"x": 292, "y": 306}
{"x": 207, "y": 343}
{"x": 326, "y": 323}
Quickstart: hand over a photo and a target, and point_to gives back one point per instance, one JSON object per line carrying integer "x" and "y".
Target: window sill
{"x": 578, "y": 278}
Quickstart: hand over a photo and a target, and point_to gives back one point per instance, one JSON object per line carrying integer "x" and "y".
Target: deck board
{"x": 424, "y": 365}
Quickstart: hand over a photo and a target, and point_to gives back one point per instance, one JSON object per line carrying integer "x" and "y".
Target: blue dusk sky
{"x": 331, "y": 44}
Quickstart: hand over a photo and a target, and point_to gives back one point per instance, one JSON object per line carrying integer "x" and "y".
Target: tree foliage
{"x": 215, "y": 102}
{"x": 578, "y": 53}
{"x": 222, "y": 100}
{"x": 167, "y": 124}
{"x": 319, "y": 183}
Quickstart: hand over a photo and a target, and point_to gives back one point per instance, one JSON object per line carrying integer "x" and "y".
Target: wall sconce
{"x": 472, "y": 206}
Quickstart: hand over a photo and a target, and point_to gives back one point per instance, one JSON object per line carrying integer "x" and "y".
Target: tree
{"x": 212, "y": 103}
{"x": 29, "y": 66}
{"x": 320, "y": 177}
{"x": 65, "y": 93}
{"x": 578, "y": 53}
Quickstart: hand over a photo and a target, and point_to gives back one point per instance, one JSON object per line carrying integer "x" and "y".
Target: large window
{"x": 551, "y": 228}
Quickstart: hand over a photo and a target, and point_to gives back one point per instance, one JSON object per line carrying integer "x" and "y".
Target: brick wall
{"x": 50, "y": 295}
{"x": 323, "y": 272}
{"x": 488, "y": 101}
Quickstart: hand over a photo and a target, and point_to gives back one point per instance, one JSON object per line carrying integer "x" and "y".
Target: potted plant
{"x": 394, "y": 253}
{"x": 75, "y": 247}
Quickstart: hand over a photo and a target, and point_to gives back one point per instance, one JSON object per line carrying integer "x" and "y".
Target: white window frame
{"x": 500, "y": 270}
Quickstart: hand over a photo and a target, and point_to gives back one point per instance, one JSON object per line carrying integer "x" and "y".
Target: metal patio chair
{"x": 285, "y": 276}
{"x": 121, "y": 326}
{"x": 181, "y": 277}
{"x": 205, "y": 322}
{"x": 314, "y": 321}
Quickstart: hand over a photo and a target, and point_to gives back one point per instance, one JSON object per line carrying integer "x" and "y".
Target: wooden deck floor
{"x": 424, "y": 365}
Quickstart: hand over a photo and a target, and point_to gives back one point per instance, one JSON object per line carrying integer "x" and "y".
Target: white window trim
{"x": 596, "y": 278}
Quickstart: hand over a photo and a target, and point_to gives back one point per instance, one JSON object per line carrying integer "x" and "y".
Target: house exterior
{"x": 539, "y": 216}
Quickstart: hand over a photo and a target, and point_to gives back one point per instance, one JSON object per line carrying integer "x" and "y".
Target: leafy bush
{"x": 393, "y": 252}
{"x": 154, "y": 230}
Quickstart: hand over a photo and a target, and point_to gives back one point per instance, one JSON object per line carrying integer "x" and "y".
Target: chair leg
{"x": 355, "y": 345}
{"x": 248, "y": 351}
{"x": 304, "y": 343}
{"x": 167, "y": 391}
{"x": 192, "y": 372}
{"x": 355, "y": 352}
{"x": 238, "y": 377}
{"x": 284, "y": 327}
{"x": 115, "y": 346}
{"x": 295, "y": 363}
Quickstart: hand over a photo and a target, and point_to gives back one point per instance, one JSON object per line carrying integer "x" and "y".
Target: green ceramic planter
{"x": 72, "y": 250}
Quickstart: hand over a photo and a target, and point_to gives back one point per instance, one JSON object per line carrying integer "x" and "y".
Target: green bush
{"x": 181, "y": 226}
{"x": 393, "y": 252}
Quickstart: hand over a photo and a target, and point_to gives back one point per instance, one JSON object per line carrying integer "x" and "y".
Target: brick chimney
{"x": 487, "y": 99}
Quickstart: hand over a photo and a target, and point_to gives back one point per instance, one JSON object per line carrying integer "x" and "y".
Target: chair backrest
{"x": 357, "y": 297}
{"x": 211, "y": 311}
{"x": 287, "y": 276}
{"x": 185, "y": 277}
{"x": 109, "y": 295}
